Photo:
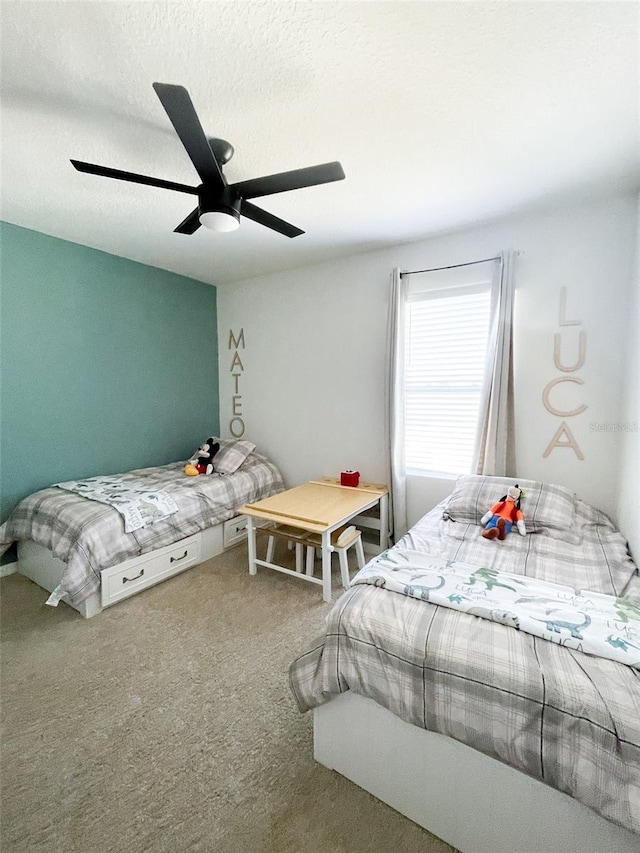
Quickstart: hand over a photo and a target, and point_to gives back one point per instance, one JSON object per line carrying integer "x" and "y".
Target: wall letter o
{"x": 240, "y": 422}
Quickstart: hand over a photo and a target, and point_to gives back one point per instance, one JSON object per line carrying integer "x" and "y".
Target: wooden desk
{"x": 320, "y": 506}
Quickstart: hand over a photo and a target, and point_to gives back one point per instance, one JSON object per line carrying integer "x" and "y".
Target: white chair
{"x": 341, "y": 540}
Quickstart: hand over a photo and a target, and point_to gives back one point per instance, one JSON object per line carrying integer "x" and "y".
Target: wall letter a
{"x": 237, "y": 362}
{"x": 571, "y": 442}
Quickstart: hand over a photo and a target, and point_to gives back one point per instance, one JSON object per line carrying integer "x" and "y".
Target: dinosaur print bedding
{"x": 604, "y": 625}
{"x": 137, "y": 505}
{"x": 551, "y": 711}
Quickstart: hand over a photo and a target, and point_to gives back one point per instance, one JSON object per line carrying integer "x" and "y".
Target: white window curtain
{"x": 394, "y": 405}
{"x": 492, "y": 435}
{"x": 492, "y": 432}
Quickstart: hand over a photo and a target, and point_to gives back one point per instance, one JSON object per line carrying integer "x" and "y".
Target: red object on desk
{"x": 349, "y": 478}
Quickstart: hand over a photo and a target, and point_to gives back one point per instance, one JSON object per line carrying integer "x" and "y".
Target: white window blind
{"x": 446, "y": 341}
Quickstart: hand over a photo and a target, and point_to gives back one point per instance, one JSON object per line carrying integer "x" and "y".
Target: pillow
{"x": 231, "y": 455}
{"x": 544, "y": 506}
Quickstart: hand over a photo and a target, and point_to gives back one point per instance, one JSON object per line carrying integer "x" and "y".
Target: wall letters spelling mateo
{"x": 236, "y": 424}
{"x": 563, "y": 436}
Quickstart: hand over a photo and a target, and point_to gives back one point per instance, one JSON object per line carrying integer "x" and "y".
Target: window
{"x": 449, "y": 367}
{"x": 446, "y": 336}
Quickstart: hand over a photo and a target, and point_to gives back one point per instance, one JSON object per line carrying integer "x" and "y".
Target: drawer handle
{"x": 177, "y": 559}
{"x": 124, "y": 580}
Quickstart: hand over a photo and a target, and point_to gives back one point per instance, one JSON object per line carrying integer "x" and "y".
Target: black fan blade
{"x": 182, "y": 114}
{"x": 294, "y": 180}
{"x": 190, "y": 224}
{"x": 92, "y": 169}
{"x": 257, "y": 214}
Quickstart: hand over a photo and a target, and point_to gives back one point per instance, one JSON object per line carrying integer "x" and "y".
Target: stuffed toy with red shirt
{"x": 503, "y": 515}
{"x": 202, "y": 460}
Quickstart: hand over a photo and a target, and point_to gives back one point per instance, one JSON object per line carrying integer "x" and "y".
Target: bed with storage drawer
{"x": 493, "y": 738}
{"x": 78, "y": 549}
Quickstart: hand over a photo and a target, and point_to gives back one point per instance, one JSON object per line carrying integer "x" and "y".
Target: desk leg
{"x": 384, "y": 522}
{"x": 251, "y": 542}
{"x": 326, "y": 566}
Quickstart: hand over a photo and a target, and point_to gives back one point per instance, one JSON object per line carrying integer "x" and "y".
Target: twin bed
{"x": 469, "y": 726}
{"x": 78, "y": 549}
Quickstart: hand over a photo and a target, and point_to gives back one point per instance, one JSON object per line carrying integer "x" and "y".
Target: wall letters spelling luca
{"x": 563, "y": 436}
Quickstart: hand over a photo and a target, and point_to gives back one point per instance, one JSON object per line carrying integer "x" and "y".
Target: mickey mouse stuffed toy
{"x": 202, "y": 461}
{"x": 503, "y": 515}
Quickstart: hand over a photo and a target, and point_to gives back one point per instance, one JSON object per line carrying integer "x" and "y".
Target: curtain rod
{"x": 452, "y": 267}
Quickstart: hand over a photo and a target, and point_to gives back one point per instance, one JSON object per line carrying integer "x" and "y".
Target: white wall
{"x": 312, "y": 389}
{"x": 628, "y": 505}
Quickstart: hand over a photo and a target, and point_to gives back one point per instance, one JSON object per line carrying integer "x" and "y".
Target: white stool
{"x": 341, "y": 540}
{"x": 292, "y": 536}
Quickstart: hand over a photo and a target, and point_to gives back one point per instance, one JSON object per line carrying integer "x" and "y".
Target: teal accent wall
{"x": 106, "y": 364}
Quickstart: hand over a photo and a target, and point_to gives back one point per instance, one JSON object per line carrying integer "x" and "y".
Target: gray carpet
{"x": 166, "y": 724}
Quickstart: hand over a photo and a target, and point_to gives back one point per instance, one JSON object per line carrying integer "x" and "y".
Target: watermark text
{"x": 614, "y": 426}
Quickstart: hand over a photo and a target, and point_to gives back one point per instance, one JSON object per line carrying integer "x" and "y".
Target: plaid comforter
{"x": 89, "y": 536}
{"x": 569, "y": 719}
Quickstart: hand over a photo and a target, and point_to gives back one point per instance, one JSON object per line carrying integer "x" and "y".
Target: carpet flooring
{"x": 165, "y": 724}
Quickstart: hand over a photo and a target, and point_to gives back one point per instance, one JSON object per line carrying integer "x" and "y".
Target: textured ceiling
{"x": 442, "y": 114}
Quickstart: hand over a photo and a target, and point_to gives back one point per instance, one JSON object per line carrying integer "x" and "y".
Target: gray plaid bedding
{"x": 569, "y": 719}
{"x": 90, "y": 536}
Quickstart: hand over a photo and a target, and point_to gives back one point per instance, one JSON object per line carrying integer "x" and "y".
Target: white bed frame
{"x": 471, "y": 801}
{"x": 118, "y": 582}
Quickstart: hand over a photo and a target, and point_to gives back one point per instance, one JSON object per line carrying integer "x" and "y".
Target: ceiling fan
{"x": 220, "y": 205}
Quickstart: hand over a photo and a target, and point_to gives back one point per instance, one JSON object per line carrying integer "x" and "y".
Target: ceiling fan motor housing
{"x": 222, "y": 150}
{"x": 225, "y": 200}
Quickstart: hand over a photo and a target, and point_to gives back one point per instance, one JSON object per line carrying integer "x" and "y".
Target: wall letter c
{"x": 550, "y": 408}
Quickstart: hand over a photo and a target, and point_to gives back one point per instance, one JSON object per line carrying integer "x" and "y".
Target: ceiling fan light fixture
{"x": 221, "y": 221}
{"x": 219, "y": 210}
